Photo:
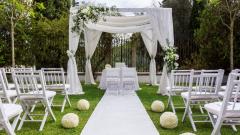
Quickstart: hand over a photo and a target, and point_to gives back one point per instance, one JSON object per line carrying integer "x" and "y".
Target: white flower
{"x": 176, "y": 64}
{"x": 176, "y": 56}
{"x": 168, "y": 120}
{"x": 84, "y": 11}
{"x": 70, "y": 120}
{"x": 108, "y": 66}
{"x": 157, "y": 106}
{"x": 83, "y": 105}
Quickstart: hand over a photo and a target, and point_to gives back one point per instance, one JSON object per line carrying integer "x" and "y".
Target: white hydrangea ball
{"x": 168, "y": 120}
{"x": 108, "y": 66}
{"x": 83, "y": 105}
{"x": 70, "y": 120}
{"x": 157, "y": 106}
{"x": 187, "y": 133}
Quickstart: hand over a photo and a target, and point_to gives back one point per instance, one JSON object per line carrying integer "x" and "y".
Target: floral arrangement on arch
{"x": 90, "y": 12}
{"x": 171, "y": 58}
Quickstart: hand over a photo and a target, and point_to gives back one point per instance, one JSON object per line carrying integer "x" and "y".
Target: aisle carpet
{"x": 120, "y": 115}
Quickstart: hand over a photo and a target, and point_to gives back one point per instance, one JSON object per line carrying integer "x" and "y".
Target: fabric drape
{"x": 161, "y": 20}
{"x": 151, "y": 46}
{"x": 72, "y": 72}
{"x": 91, "y": 40}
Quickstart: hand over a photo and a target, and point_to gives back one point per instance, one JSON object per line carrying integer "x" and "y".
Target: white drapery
{"x": 91, "y": 40}
{"x": 151, "y": 46}
{"x": 163, "y": 29}
{"x": 155, "y": 26}
{"x": 72, "y": 73}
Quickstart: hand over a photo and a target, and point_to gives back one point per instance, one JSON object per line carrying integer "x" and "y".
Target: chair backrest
{"x": 3, "y": 84}
{"x": 181, "y": 79}
{"x": 129, "y": 72}
{"x": 4, "y": 76}
{"x": 27, "y": 84}
{"x": 113, "y": 73}
{"x": 120, "y": 65}
{"x": 207, "y": 83}
{"x": 54, "y": 78}
{"x": 232, "y": 95}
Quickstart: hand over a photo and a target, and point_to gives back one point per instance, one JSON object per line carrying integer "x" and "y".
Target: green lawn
{"x": 93, "y": 94}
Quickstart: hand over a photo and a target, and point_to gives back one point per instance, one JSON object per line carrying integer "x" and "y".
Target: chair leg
{"x": 188, "y": 112}
{"x": 8, "y": 128}
{"x": 234, "y": 128}
{"x": 171, "y": 104}
{"x": 68, "y": 100}
{"x": 64, "y": 103}
{"x": 44, "y": 120}
{"x": 15, "y": 121}
{"x": 48, "y": 106}
{"x": 217, "y": 126}
{"x": 15, "y": 100}
{"x": 23, "y": 119}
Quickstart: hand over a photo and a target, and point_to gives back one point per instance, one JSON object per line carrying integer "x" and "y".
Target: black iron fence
{"x": 129, "y": 49}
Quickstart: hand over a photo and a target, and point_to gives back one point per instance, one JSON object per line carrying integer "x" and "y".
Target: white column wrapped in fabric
{"x": 161, "y": 19}
{"x": 91, "y": 40}
{"x": 72, "y": 73}
{"x": 151, "y": 45}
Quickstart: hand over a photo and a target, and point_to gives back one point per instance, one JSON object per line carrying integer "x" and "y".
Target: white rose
{"x": 176, "y": 57}
{"x": 176, "y": 64}
{"x": 85, "y": 10}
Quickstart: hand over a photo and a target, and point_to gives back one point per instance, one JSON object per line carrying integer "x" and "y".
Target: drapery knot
{"x": 152, "y": 57}
{"x": 88, "y": 58}
{"x": 70, "y": 54}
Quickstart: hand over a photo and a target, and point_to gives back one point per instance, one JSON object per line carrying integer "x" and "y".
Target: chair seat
{"x": 58, "y": 86}
{"x": 177, "y": 89}
{"x": 215, "y": 108}
{"x": 11, "y": 86}
{"x": 199, "y": 96}
{"x": 49, "y": 94}
{"x": 223, "y": 93}
{"x": 129, "y": 79}
{"x": 10, "y": 93}
{"x": 12, "y": 110}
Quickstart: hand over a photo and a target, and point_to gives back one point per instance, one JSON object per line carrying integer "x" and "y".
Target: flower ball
{"x": 157, "y": 106}
{"x": 83, "y": 105}
{"x": 187, "y": 133}
{"x": 70, "y": 120}
{"x": 108, "y": 66}
{"x": 168, "y": 120}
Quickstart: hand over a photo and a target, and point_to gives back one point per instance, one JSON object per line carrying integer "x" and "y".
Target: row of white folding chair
{"x": 226, "y": 112}
{"x": 203, "y": 89}
{"x": 29, "y": 94}
{"x": 182, "y": 80}
{"x": 118, "y": 79}
{"x": 7, "y": 90}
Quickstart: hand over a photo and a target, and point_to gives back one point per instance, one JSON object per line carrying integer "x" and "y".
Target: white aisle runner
{"x": 120, "y": 115}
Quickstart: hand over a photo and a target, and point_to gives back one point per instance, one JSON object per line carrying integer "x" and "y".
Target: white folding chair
{"x": 113, "y": 80}
{"x": 226, "y": 112}
{"x": 5, "y": 94}
{"x": 10, "y": 86}
{"x": 129, "y": 78}
{"x": 9, "y": 112}
{"x": 29, "y": 94}
{"x": 55, "y": 80}
{"x": 120, "y": 65}
{"x": 224, "y": 87}
{"x": 204, "y": 90}
{"x": 179, "y": 82}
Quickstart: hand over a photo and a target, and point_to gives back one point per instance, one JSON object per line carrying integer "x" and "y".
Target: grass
{"x": 93, "y": 95}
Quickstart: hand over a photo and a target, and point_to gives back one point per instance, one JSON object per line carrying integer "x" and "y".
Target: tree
{"x": 16, "y": 11}
{"x": 228, "y": 12}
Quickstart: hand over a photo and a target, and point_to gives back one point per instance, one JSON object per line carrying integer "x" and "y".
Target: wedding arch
{"x": 155, "y": 26}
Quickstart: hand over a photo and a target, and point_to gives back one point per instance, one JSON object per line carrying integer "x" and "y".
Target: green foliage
{"x": 211, "y": 39}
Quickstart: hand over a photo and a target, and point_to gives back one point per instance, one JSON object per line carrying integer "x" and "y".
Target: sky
{"x": 127, "y": 3}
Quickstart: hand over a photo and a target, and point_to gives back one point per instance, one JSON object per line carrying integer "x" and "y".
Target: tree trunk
{"x": 12, "y": 42}
{"x": 231, "y": 41}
